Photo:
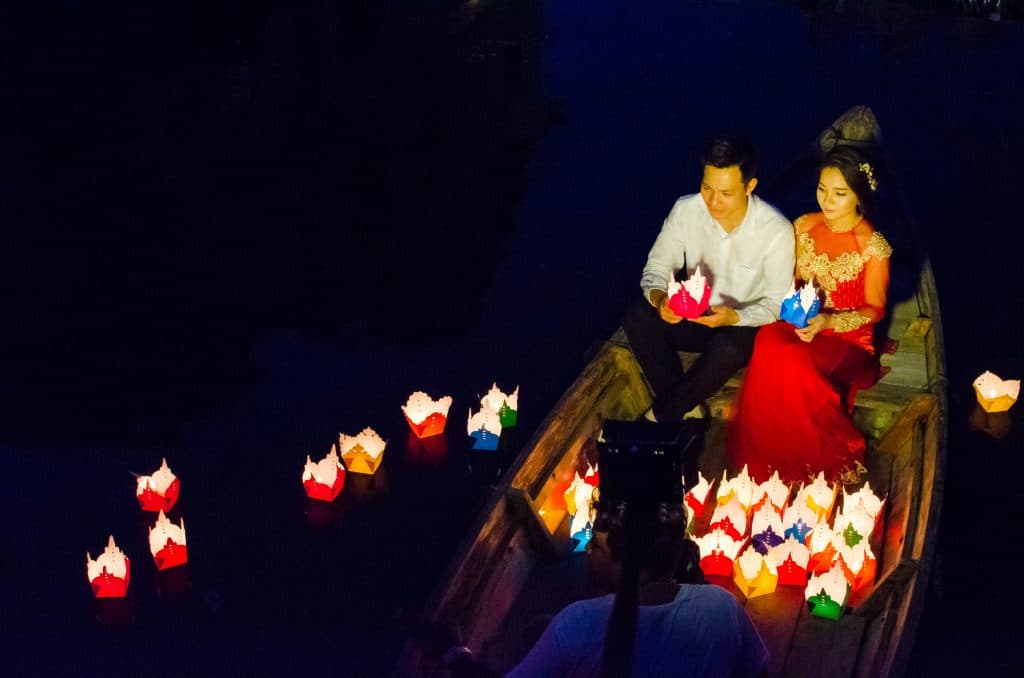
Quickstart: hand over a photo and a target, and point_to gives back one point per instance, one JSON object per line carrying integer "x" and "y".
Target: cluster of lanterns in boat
{"x": 427, "y": 417}
{"x": 110, "y": 573}
{"x": 761, "y": 540}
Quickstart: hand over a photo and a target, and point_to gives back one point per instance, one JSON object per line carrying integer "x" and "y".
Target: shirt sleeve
{"x": 667, "y": 255}
{"x": 779, "y": 264}
{"x": 876, "y": 284}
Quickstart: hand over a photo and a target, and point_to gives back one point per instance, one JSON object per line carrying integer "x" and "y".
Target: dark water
{"x": 229, "y": 236}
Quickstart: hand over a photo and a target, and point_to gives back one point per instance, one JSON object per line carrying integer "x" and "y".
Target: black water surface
{"x": 231, "y": 234}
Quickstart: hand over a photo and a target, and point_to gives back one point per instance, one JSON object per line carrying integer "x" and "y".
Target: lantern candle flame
{"x": 167, "y": 543}
{"x": 426, "y": 416}
{"x": 110, "y": 573}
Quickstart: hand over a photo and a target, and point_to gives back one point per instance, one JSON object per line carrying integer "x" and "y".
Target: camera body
{"x": 644, "y": 462}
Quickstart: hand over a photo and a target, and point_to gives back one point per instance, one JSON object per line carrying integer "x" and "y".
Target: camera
{"x": 644, "y": 462}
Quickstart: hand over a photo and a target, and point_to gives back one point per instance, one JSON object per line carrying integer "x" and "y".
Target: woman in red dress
{"x": 794, "y": 411}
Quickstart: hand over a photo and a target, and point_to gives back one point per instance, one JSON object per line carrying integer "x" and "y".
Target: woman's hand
{"x": 820, "y": 322}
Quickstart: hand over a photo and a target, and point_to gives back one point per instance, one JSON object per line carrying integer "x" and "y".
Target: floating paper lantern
{"x": 754, "y": 574}
{"x": 731, "y": 518}
{"x": 822, "y": 543}
{"x": 995, "y": 394}
{"x": 820, "y": 496}
{"x": 159, "y": 491}
{"x": 109, "y": 574}
{"x": 689, "y": 299}
{"x": 826, "y": 593}
{"x": 766, "y": 529}
{"x": 167, "y": 543}
{"x": 717, "y": 552}
{"x": 506, "y": 406}
{"x": 425, "y": 415}
{"x": 742, "y": 487}
{"x": 698, "y": 494}
{"x": 791, "y": 558}
{"x": 799, "y": 306}
{"x": 774, "y": 492}
{"x": 484, "y": 428}
{"x": 854, "y": 524}
{"x": 362, "y": 453}
{"x": 798, "y": 520}
{"x": 324, "y": 479}
{"x": 858, "y": 564}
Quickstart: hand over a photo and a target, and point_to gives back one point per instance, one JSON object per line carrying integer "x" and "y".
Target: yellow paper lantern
{"x": 362, "y": 453}
{"x": 995, "y": 394}
{"x": 742, "y": 488}
{"x": 754, "y": 574}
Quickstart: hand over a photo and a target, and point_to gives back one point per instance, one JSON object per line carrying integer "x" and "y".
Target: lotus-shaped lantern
{"x": 819, "y": 496}
{"x": 754, "y": 574}
{"x": 717, "y": 552}
{"x": 855, "y": 524}
{"x": 858, "y": 564}
{"x": 742, "y": 488}
{"x": 110, "y": 573}
{"x": 799, "y": 306}
{"x": 995, "y": 394}
{"x": 689, "y": 299}
{"x": 484, "y": 428}
{"x": 869, "y": 500}
{"x": 826, "y": 593}
{"x": 822, "y": 543}
{"x": 730, "y": 518}
{"x": 167, "y": 543}
{"x": 505, "y": 405}
{"x": 362, "y": 453}
{"x": 766, "y": 529}
{"x": 698, "y": 494}
{"x": 772, "y": 492}
{"x": 159, "y": 491}
{"x": 791, "y": 558}
{"x": 798, "y": 520}
{"x": 425, "y": 415}
{"x": 579, "y": 503}
{"x": 324, "y": 479}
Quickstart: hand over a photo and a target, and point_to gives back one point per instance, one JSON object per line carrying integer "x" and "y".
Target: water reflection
{"x": 428, "y": 452}
{"x": 174, "y": 584}
{"x": 996, "y": 425}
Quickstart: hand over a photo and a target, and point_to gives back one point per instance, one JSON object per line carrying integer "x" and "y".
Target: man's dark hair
{"x": 728, "y": 150}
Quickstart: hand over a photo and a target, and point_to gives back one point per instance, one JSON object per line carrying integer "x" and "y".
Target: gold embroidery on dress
{"x": 848, "y": 320}
{"x": 843, "y": 268}
{"x": 877, "y": 247}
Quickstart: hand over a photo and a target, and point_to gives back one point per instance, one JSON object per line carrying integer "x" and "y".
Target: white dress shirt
{"x": 749, "y": 269}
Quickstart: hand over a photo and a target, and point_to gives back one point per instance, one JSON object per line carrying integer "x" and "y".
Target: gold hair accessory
{"x": 869, "y": 172}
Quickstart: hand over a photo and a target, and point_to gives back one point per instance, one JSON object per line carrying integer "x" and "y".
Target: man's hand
{"x": 816, "y": 324}
{"x": 660, "y": 300}
{"x": 719, "y": 317}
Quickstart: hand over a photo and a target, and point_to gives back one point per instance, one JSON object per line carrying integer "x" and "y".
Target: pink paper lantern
{"x": 689, "y": 299}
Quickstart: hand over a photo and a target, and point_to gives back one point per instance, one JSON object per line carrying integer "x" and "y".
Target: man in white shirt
{"x": 745, "y": 249}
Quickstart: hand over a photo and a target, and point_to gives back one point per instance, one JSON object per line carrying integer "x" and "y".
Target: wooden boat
{"x": 515, "y": 564}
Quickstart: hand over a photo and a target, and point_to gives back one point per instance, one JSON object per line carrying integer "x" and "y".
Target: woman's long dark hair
{"x": 642, "y": 536}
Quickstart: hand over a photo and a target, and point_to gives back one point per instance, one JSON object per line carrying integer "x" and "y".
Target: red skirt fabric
{"x": 794, "y": 411}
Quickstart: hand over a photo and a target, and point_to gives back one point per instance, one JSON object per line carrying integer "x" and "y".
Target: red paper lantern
{"x": 159, "y": 491}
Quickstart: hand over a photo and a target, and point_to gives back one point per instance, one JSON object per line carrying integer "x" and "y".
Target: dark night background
{"x": 230, "y": 233}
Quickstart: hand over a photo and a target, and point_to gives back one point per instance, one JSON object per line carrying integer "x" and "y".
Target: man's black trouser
{"x": 655, "y": 343}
